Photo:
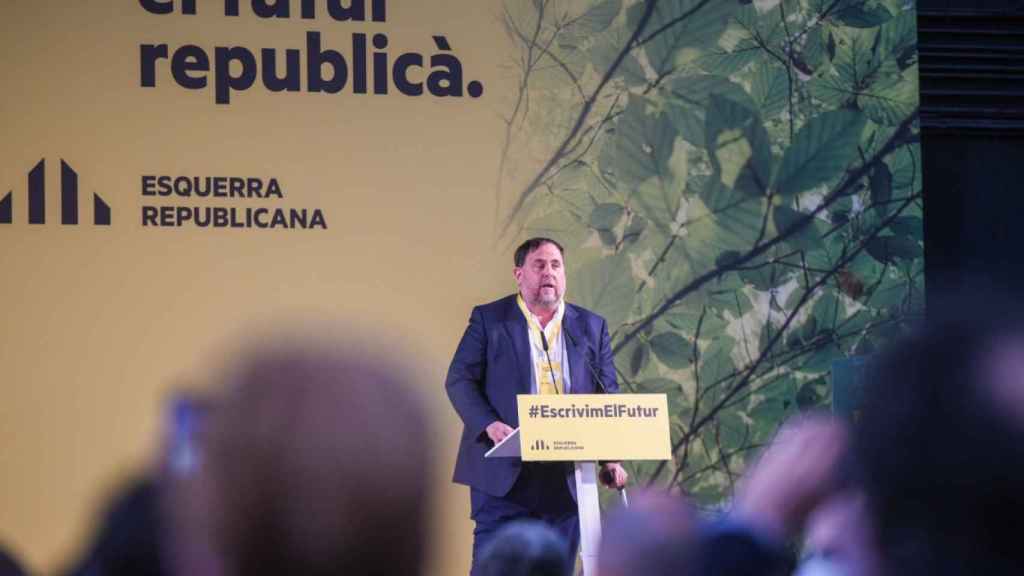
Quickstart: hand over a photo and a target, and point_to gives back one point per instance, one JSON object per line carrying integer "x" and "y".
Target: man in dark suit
{"x": 520, "y": 345}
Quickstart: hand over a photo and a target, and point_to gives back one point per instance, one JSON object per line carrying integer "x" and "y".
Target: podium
{"x": 585, "y": 429}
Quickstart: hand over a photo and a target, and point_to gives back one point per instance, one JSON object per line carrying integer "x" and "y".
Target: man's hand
{"x": 498, "y": 431}
{"x": 613, "y": 475}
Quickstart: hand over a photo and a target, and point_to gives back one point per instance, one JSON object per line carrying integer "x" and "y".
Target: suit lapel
{"x": 577, "y": 369}
{"x": 515, "y": 327}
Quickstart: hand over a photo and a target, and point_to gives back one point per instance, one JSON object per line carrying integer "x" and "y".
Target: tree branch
{"x": 581, "y": 118}
{"x": 852, "y": 178}
{"x": 744, "y": 381}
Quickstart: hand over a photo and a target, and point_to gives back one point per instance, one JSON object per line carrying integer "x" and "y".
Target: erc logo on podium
{"x": 540, "y": 445}
{"x": 68, "y": 199}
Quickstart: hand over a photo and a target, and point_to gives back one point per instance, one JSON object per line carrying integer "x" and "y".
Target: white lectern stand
{"x": 586, "y": 500}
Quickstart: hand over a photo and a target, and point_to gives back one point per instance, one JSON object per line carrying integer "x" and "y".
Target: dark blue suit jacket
{"x": 493, "y": 364}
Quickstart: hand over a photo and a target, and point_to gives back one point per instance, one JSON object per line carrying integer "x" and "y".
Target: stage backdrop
{"x": 737, "y": 183}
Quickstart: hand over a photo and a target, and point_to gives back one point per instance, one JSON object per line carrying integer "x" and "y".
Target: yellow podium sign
{"x": 594, "y": 427}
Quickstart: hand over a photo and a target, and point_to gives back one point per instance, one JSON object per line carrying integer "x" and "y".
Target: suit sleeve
{"x": 465, "y": 381}
{"x": 606, "y": 361}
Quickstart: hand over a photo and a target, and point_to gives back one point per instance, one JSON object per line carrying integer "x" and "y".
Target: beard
{"x": 547, "y": 298}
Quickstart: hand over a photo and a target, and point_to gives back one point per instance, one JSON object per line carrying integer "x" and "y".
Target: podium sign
{"x": 594, "y": 427}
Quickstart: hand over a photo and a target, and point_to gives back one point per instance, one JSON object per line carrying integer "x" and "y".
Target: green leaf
{"x": 640, "y": 156}
{"x": 809, "y": 329}
{"x": 720, "y": 60}
{"x": 770, "y": 88}
{"x": 608, "y": 238}
{"x": 892, "y": 248}
{"x": 688, "y": 97}
{"x": 558, "y": 225}
{"x": 881, "y": 188}
{"x": 912, "y": 226}
{"x": 821, "y": 359}
{"x": 641, "y": 146}
{"x": 696, "y": 91}
{"x": 606, "y": 47}
{"x": 832, "y": 90}
{"x": 828, "y": 309}
{"x": 866, "y": 14}
{"x": 768, "y": 334}
{"x": 639, "y": 357}
{"x": 889, "y": 101}
{"x": 716, "y": 364}
{"x": 573, "y": 184}
{"x": 734, "y": 228}
{"x": 672, "y": 350}
{"x": 815, "y": 50}
{"x": 741, "y": 153}
{"x": 906, "y": 170}
{"x": 807, "y": 237}
{"x": 856, "y": 59}
{"x": 658, "y": 386}
{"x": 596, "y": 19}
{"x": 732, "y": 431}
{"x": 728, "y": 257}
{"x": 856, "y": 323}
{"x": 810, "y": 395}
{"x": 898, "y": 37}
{"x": 766, "y": 276}
{"x": 821, "y": 150}
{"x": 734, "y": 300}
{"x": 637, "y": 225}
{"x": 685, "y": 320}
{"x": 677, "y": 26}
{"x": 605, "y": 286}
{"x": 689, "y": 121}
{"x": 606, "y": 216}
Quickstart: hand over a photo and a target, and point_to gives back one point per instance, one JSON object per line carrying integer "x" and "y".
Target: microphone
{"x": 604, "y": 475}
{"x": 544, "y": 343}
{"x": 593, "y": 371}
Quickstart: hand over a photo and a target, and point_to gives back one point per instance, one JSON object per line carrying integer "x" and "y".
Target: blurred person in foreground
{"x": 655, "y": 536}
{"x": 941, "y": 441}
{"x": 129, "y": 536}
{"x": 9, "y": 565}
{"x": 316, "y": 464}
{"x": 526, "y": 548}
{"x": 938, "y": 449}
{"x": 839, "y": 538}
{"x": 310, "y": 461}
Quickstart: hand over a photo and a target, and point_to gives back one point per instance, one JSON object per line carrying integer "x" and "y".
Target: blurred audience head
{"x": 839, "y": 538}
{"x": 315, "y": 463}
{"x": 9, "y": 565}
{"x": 655, "y": 536}
{"x": 128, "y": 540}
{"x": 940, "y": 440}
{"x": 526, "y": 548}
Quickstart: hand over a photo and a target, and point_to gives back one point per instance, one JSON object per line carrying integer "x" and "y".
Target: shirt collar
{"x": 532, "y": 318}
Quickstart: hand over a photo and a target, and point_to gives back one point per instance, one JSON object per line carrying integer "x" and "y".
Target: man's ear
{"x": 517, "y": 273}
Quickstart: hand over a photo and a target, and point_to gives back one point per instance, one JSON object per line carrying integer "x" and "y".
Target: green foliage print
{"x": 740, "y": 186}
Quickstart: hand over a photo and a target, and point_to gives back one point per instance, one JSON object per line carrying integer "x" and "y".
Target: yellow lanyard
{"x": 543, "y": 370}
